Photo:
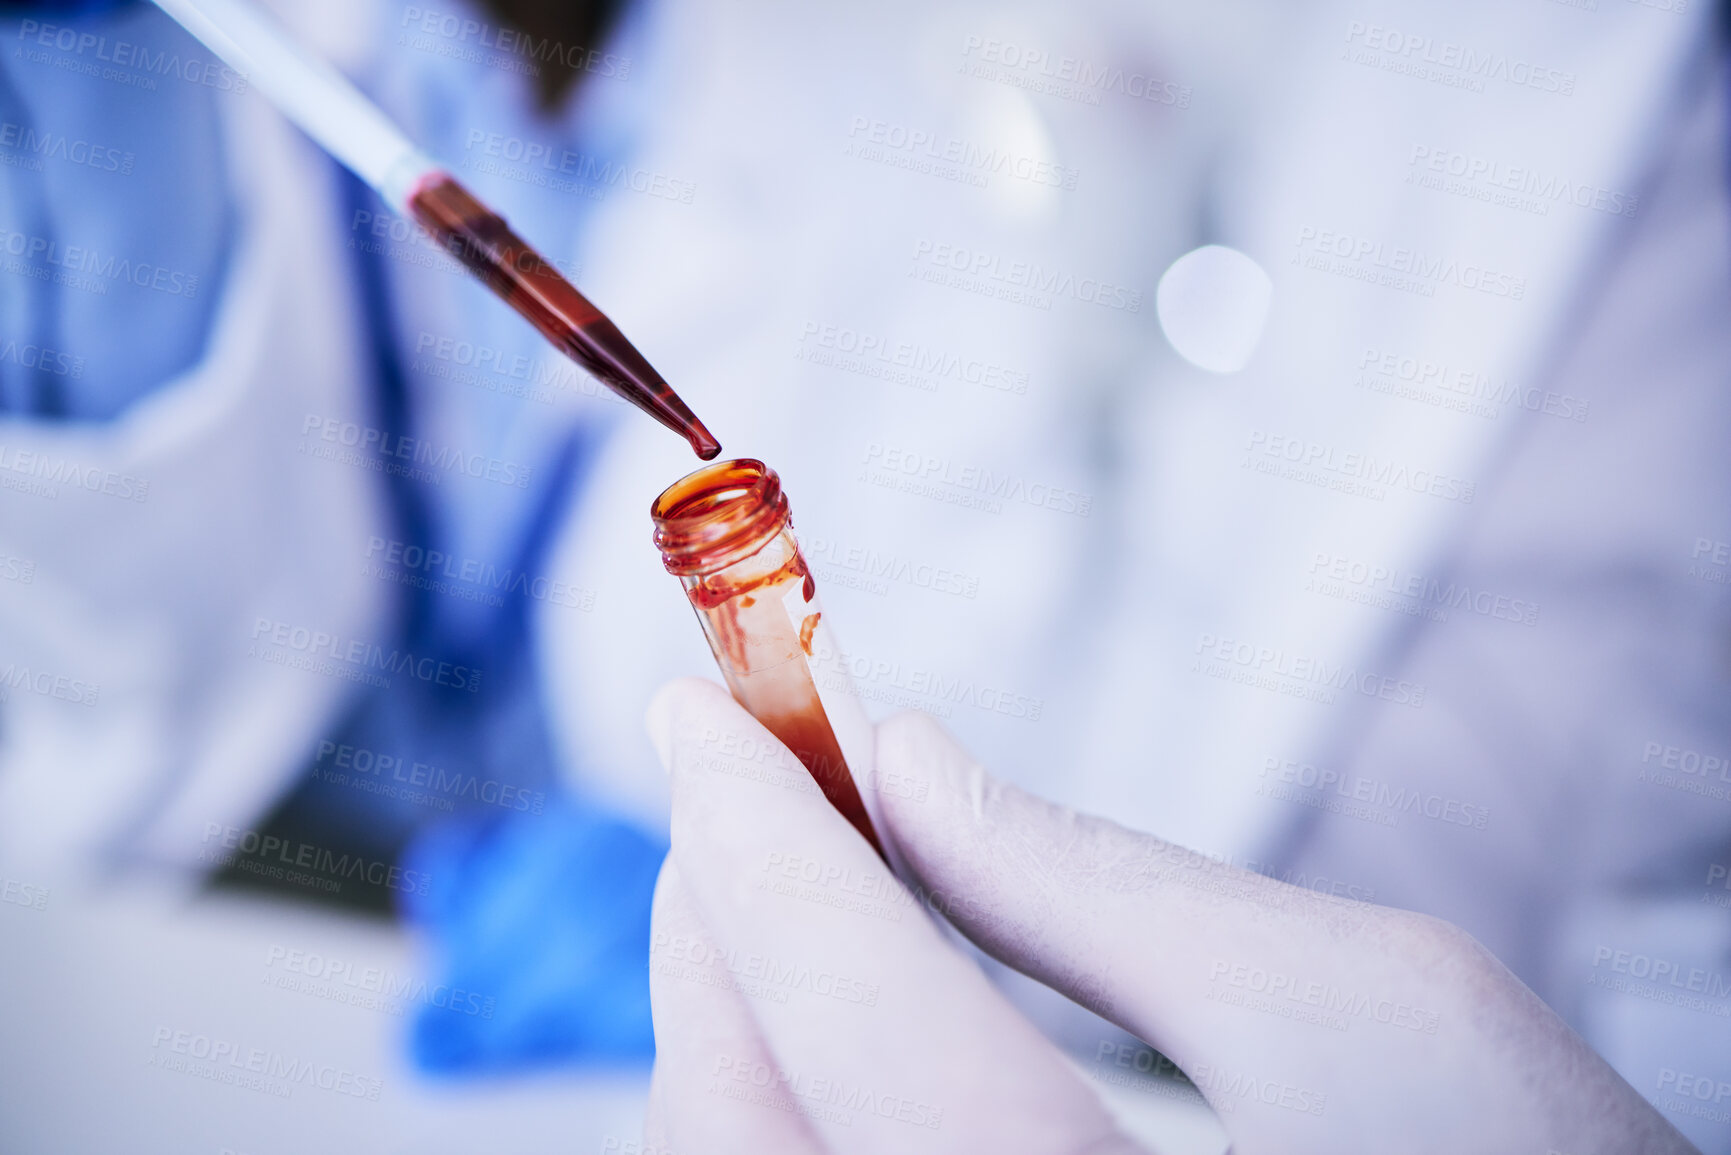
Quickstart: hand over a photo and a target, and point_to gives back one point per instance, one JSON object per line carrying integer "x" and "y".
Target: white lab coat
{"x": 136, "y": 710}
{"x": 1188, "y": 540}
{"x": 1117, "y": 623}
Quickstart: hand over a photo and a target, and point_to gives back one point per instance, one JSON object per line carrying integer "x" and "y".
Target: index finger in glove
{"x": 710, "y": 1086}
{"x": 1310, "y": 1021}
{"x": 886, "y": 1037}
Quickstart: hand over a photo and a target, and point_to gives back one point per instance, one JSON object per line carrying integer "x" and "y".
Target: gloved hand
{"x": 805, "y": 1002}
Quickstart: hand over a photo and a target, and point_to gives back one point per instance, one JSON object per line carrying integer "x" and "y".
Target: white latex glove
{"x": 804, "y": 1002}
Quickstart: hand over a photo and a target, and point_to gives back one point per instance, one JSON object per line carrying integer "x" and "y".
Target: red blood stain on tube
{"x": 724, "y": 532}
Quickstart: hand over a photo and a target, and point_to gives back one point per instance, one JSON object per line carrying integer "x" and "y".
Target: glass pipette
{"x": 331, "y": 110}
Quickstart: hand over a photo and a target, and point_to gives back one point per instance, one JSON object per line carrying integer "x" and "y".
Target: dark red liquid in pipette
{"x": 480, "y": 238}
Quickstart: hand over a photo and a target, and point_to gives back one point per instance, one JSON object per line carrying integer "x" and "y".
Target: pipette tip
{"x": 485, "y": 244}
{"x": 705, "y": 446}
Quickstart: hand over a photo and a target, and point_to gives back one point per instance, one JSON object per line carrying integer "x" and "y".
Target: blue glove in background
{"x": 547, "y": 915}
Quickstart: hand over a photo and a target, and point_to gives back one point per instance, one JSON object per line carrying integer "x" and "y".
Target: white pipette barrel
{"x": 310, "y": 92}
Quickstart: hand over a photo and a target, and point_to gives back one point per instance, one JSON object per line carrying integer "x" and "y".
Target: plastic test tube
{"x": 725, "y": 532}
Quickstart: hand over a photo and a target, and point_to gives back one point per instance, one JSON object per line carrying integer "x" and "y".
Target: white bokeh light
{"x": 1213, "y": 303}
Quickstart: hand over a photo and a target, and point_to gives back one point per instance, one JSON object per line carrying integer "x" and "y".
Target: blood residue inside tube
{"x": 724, "y": 532}
{"x": 482, "y": 241}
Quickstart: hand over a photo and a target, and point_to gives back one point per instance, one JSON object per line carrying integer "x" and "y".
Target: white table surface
{"x": 91, "y": 982}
